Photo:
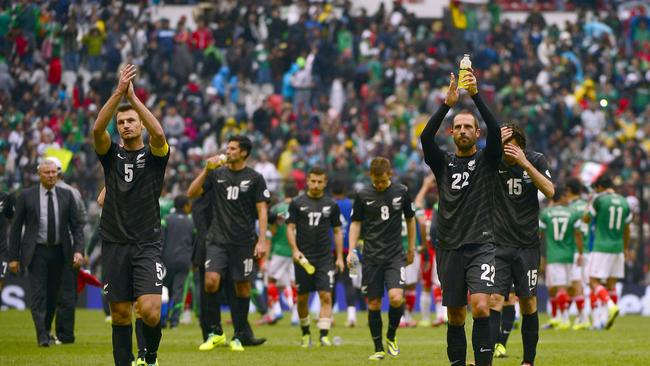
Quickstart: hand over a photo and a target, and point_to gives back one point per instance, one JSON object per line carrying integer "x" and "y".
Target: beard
{"x": 464, "y": 143}
{"x": 131, "y": 138}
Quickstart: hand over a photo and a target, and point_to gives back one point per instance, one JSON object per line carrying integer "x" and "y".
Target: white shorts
{"x": 281, "y": 270}
{"x": 413, "y": 271}
{"x": 606, "y": 265}
{"x": 558, "y": 274}
{"x": 579, "y": 273}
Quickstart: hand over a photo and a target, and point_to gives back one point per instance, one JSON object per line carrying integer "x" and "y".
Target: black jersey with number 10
{"x": 314, "y": 219}
{"x": 134, "y": 181}
{"x": 234, "y": 198}
{"x": 380, "y": 214}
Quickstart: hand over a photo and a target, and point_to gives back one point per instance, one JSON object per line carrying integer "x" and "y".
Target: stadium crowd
{"x": 317, "y": 84}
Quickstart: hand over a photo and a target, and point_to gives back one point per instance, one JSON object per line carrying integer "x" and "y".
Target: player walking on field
{"x": 378, "y": 210}
{"x": 311, "y": 217}
{"x": 130, "y": 221}
{"x": 522, "y": 174}
{"x": 611, "y": 213}
{"x": 465, "y": 257}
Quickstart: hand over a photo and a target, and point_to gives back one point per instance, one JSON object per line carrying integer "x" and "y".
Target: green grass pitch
{"x": 628, "y": 343}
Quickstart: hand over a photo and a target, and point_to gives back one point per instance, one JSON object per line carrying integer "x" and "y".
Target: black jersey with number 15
{"x": 380, "y": 214}
{"x": 134, "y": 181}
{"x": 516, "y": 213}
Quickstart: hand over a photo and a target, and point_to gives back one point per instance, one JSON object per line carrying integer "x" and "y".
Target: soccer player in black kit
{"x": 130, "y": 221}
{"x": 311, "y": 218}
{"x": 377, "y": 212}
{"x": 465, "y": 253}
{"x": 522, "y": 174}
{"x": 239, "y": 197}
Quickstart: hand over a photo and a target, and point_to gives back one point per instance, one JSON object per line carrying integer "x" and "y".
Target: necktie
{"x": 51, "y": 220}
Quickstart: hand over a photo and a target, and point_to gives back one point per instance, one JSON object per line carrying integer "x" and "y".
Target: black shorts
{"x": 470, "y": 267}
{"x": 132, "y": 270}
{"x": 321, "y": 280}
{"x": 374, "y": 277}
{"x": 232, "y": 261}
{"x": 518, "y": 267}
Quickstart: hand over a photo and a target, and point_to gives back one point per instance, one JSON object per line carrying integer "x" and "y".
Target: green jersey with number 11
{"x": 611, "y": 213}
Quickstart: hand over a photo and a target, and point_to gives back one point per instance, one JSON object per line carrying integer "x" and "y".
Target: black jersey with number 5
{"x": 234, "y": 197}
{"x": 516, "y": 211}
{"x": 380, "y": 214}
{"x": 134, "y": 181}
{"x": 314, "y": 218}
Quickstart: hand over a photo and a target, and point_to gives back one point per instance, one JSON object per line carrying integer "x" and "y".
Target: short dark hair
{"x": 518, "y": 134}
{"x": 244, "y": 142}
{"x": 379, "y": 166}
{"x": 337, "y": 186}
{"x": 466, "y": 111}
{"x": 604, "y": 181}
{"x": 180, "y": 202}
{"x": 559, "y": 193}
{"x": 317, "y": 170}
{"x": 124, "y": 107}
{"x": 574, "y": 186}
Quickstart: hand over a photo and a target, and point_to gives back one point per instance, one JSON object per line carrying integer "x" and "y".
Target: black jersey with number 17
{"x": 380, "y": 214}
{"x": 516, "y": 213}
{"x": 314, "y": 219}
{"x": 134, "y": 181}
{"x": 234, "y": 196}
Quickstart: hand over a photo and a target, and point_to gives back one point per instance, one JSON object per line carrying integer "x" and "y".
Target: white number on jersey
{"x": 458, "y": 177}
{"x": 385, "y": 213}
{"x": 514, "y": 186}
{"x": 128, "y": 173}
{"x": 314, "y": 218}
{"x": 232, "y": 193}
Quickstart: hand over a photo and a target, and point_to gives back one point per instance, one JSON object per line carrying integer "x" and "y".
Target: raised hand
{"x": 515, "y": 153}
{"x": 469, "y": 80}
{"x": 452, "y": 93}
{"x": 127, "y": 74}
{"x": 506, "y": 134}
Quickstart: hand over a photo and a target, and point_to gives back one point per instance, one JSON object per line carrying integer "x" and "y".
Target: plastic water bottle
{"x": 354, "y": 269}
{"x": 465, "y": 65}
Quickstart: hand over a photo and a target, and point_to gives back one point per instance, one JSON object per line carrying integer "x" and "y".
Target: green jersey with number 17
{"x": 559, "y": 224}
{"x": 611, "y": 213}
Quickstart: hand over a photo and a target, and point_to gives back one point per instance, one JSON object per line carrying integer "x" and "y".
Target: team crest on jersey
{"x": 471, "y": 165}
{"x": 397, "y": 203}
{"x": 139, "y": 161}
{"x": 327, "y": 210}
{"x": 244, "y": 185}
{"x": 526, "y": 177}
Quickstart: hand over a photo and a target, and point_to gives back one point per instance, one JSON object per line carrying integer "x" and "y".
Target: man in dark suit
{"x": 52, "y": 239}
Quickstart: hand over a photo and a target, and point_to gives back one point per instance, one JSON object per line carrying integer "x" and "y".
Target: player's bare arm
{"x": 540, "y": 180}
{"x": 196, "y": 188}
{"x": 353, "y": 237}
{"x": 579, "y": 245}
{"x": 157, "y": 139}
{"x": 100, "y": 135}
{"x": 410, "y": 232}
{"x": 262, "y": 246}
{"x": 291, "y": 238}
{"x": 338, "y": 245}
{"x": 427, "y": 184}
